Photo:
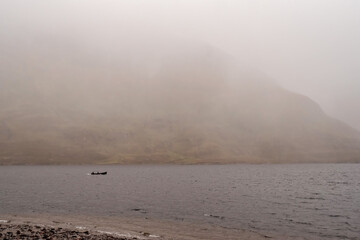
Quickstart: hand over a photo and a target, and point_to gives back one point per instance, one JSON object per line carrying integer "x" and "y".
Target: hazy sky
{"x": 308, "y": 46}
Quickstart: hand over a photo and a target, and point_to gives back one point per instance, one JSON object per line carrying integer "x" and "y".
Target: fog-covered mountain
{"x": 160, "y": 100}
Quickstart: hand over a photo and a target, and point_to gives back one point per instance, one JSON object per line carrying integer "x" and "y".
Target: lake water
{"x": 314, "y": 201}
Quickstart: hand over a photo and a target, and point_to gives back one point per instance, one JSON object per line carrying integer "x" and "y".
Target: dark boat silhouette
{"x": 98, "y": 173}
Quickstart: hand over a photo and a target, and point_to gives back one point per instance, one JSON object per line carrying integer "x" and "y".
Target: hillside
{"x": 172, "y": 102}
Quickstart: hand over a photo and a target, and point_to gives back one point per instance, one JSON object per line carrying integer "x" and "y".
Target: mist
{"x": 180, "y": 119}
{"x": 179, "y": 81}
{"x": 308, "y": 47}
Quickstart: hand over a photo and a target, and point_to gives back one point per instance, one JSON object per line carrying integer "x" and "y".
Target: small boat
{"x": 98, "y": 173}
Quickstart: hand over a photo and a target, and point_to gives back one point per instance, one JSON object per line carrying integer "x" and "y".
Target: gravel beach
{"x": 47, "y": 228}
{"x": 103, "y": 228}
{"x": 27, "y": 231}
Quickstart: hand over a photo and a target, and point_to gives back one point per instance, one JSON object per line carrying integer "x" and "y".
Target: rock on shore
{"x": 26, "y": 231}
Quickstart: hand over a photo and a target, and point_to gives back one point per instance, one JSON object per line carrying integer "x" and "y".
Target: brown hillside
{"x": 69, "y": 104}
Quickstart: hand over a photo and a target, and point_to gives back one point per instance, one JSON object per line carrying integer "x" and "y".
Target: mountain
{"x": 130, "y": 100}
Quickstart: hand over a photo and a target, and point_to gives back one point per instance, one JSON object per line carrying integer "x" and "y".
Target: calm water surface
{"x": 311, "y": 200}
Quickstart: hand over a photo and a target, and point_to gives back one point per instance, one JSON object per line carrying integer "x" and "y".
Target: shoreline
{"x": 176, "y": 164}
{"x": 39, "y": 231}
{"x": 92, "y": 227}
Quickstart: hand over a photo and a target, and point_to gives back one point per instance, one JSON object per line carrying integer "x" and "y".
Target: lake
{"x": 315, "y": 201}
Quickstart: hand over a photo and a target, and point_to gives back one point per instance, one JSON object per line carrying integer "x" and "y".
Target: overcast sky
{"x": 308, "y": 46}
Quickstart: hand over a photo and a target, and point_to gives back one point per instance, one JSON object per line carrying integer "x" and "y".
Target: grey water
{"x": 314, "y": 201}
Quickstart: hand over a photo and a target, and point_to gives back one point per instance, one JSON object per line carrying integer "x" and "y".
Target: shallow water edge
{"x": 139, "y": 228}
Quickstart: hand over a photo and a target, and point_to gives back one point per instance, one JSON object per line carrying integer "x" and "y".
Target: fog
{"x": 309, "y": 47}
{"x": 179, "y": 81}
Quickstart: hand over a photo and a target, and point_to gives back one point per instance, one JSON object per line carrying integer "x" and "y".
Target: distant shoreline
{"x": 177, "y": 164}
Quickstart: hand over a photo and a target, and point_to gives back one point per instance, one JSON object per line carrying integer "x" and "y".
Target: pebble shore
{"x": 48, "y": 226}
{"x": 26, "y": 231}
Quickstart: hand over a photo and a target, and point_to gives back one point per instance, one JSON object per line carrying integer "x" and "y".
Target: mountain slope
{"x": 175, "y": 102}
